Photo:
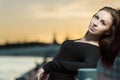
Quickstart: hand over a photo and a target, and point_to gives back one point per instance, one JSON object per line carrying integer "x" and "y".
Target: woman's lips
{"x": 92, "y": 28}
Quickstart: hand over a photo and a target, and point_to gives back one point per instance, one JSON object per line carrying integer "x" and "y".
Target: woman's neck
{"x": 92, "y": 39}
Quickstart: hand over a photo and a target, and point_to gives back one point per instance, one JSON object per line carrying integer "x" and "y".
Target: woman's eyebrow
{"x": 102, "y": 19}
{"x": 105, "y": 21}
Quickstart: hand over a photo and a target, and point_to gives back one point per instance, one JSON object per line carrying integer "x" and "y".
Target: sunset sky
{"x": 38, "y": 20}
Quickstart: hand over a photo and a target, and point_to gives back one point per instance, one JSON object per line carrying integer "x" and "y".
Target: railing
{"x": 87, "y": 74}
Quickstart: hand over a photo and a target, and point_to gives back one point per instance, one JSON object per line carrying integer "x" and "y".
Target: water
{"x": 21, "y": 60}
{"x": 12, "y": 67}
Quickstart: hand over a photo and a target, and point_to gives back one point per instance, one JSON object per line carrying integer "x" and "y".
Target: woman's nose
{"x": 94, "y": 24}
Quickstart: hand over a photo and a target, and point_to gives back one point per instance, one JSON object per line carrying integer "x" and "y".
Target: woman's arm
{"x": 55, "y": 65}
{"x": 70, "y": 66}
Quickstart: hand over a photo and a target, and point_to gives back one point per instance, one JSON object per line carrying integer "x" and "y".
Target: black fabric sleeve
{"x": 71, "y": 66}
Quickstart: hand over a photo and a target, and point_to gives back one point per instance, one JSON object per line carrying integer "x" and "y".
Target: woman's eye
{"x": 96, "y": 17}
{"x": 103, "y": 23}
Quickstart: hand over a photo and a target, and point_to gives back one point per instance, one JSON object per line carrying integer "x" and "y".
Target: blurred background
{"x": 31, "y": 31}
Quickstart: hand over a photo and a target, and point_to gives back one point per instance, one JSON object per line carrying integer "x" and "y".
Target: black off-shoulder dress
{"x": 72, "y": 56}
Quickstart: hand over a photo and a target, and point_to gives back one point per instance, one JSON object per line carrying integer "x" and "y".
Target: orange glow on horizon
{"x": 38, "y": 21}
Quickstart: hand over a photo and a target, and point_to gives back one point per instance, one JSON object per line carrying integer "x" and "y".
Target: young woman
{"x": 102, "y": 35}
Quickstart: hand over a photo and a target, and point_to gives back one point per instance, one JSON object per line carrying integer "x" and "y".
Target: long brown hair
{"x": 109, "y": 43}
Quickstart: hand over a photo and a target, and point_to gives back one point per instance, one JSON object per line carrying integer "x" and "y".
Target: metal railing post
{"x": 87, "y": 74}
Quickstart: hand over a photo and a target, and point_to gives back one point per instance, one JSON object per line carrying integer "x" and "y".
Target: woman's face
{"x": 100, "y": 23}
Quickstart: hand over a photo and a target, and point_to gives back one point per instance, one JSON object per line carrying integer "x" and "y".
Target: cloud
{"x": 58, "y": 11}
{"x": 66, "y": 8}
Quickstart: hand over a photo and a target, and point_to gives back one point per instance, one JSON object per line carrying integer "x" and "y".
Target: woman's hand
{"x": 41, "y": 75}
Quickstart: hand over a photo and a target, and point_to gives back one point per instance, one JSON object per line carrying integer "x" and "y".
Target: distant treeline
{"x": 31, "y": 44}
